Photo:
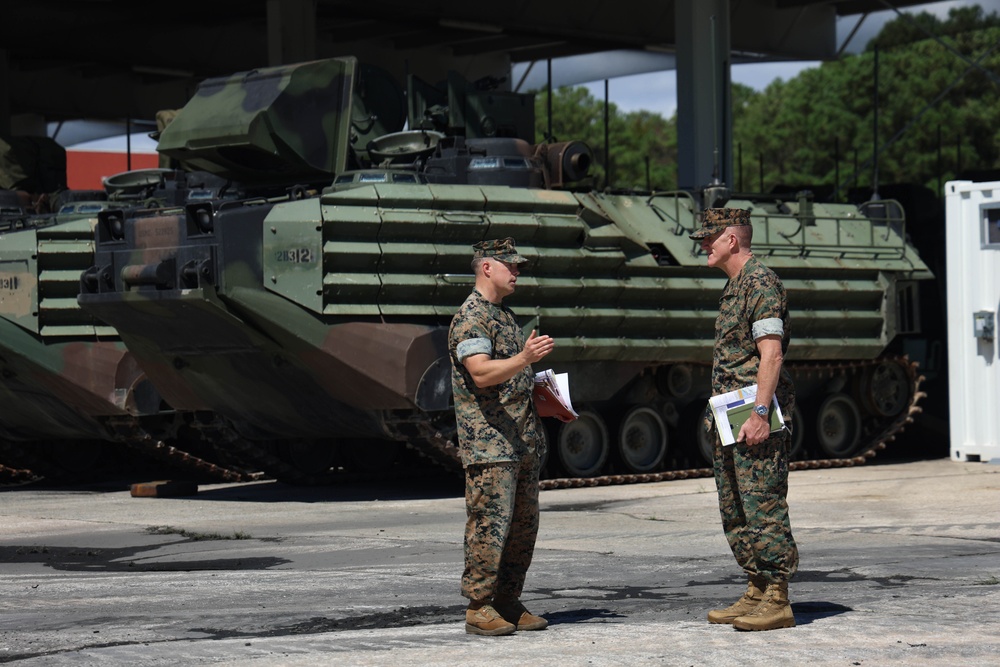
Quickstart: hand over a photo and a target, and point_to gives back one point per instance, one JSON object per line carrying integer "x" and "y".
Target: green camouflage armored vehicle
{"x": 313, "y": 321}
{"x": 39, "y": 383}
{"x": 69, "y": 390}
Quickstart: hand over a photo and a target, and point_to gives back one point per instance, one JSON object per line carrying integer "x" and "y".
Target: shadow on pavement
{"x": 807, "y": 612}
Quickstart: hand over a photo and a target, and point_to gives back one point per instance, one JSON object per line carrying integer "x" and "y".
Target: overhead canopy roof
{"x": 111, "y": 59}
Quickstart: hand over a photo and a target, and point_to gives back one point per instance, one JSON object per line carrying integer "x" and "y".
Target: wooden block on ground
{"x": 164, "y": 489}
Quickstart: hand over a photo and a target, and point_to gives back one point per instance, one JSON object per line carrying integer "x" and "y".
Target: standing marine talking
{"x": 751, "y": 338}
{"x": 500, "y": 442}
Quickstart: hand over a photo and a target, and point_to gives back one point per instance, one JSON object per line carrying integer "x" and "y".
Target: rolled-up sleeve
{"x": 767, "y": 327}
{"x": 471, "y": 346}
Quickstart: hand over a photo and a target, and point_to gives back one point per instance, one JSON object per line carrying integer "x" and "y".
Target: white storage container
{"x": 973, "y": 261}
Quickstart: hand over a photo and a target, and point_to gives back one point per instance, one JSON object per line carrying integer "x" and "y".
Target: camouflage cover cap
{"x": 501, "y": 249}
{"x": 716, "y": 219}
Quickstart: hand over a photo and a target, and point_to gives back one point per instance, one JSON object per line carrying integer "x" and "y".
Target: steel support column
{"x": 704, "y": 105}
{"x": 291, "y": 31}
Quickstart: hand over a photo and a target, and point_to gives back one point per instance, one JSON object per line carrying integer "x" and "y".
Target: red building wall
{"x": 86, "y": 169}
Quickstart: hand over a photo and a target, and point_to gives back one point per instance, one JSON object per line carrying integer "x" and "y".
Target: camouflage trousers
{"x": 753, "y": 482}
{"x": 501, "y": 503}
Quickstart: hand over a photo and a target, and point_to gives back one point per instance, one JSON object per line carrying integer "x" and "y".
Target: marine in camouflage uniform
{"x": 751, "y": 337}
{"x": 500, "y": 441}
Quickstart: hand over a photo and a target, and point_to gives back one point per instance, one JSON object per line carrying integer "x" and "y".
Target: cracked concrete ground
{"x": 900, "y": 564}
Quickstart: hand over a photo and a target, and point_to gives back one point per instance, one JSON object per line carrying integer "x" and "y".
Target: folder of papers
{"x": 552, "y": 395}
{"x": 732, "y": 409}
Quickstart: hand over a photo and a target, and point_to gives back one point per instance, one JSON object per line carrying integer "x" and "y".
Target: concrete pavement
{"x": 900, "y": 564}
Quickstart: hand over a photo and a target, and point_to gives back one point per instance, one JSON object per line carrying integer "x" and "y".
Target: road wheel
{"x": 582, "y": 447}
{"x": 642, "y": 440}
{"x": 885, "y": 389}
{"x": 838, "y": 425}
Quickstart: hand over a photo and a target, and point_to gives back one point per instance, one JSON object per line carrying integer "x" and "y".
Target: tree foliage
{"x": 937, "y": 109}
{"x": 938, "y": 115}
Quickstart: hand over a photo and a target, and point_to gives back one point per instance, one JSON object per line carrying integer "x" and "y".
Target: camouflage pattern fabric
{"x": 756, "y": 294}
{"x": 752, "y": 481}
{"x": 495, "y": 423}
{"x": 753, "y": 485}
{"x": 34, "y": 164}
{"x": 12, "y": 173}
{"x": 502, "y": 249}
{"x": 715, "y": 220}
{"x": 163, "y": 118}
{"x": 499, "y": 441}
{"x": 501, "y": 502}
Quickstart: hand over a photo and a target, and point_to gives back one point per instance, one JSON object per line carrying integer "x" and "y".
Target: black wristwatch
{"x": 761, "y": 410}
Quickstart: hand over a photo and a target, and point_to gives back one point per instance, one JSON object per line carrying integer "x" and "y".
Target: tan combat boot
{"x": 773, "y": 612}
{"x": 486, "y": 621}
{"x": 514, "y": 612}
{"x": 743, "y": 606}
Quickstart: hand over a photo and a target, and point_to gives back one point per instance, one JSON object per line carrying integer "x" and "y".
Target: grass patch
{"x": 992, "y": 581}
{"x": 195, "y": 536}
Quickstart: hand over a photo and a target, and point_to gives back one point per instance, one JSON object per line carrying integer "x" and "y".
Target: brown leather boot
{"x": 743, "y": 606}
{"x": 773, "y": 612}
{"x": 514, "y": 612}
{"x": 486, "y": 621}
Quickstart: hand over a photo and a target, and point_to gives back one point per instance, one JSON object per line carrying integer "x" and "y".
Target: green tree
{"x": 643, "y": 145}
{"x": 938, "y": 115}
{"x": 814, "y": 128}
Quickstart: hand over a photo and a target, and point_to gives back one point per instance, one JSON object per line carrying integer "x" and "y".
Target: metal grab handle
{"x": 456, "y": 278}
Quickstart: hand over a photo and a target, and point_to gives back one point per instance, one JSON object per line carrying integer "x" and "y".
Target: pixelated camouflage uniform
{"x": 499, "y": 441}
{"x": 752, "y": 480}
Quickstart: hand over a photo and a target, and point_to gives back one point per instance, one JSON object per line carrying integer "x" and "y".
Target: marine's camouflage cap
{"x": 716, "y": 219}
{"x": 501, "y": 249}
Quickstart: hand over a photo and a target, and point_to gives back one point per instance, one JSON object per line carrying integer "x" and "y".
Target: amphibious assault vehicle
{"x": 70, "y": 393}
{"x": 310, "y": 319}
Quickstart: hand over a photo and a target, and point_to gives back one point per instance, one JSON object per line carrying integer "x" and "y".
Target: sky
{"x": 657, "y": 91}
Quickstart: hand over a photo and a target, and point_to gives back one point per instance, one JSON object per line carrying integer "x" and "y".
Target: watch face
{"x": 761, "y": 410}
